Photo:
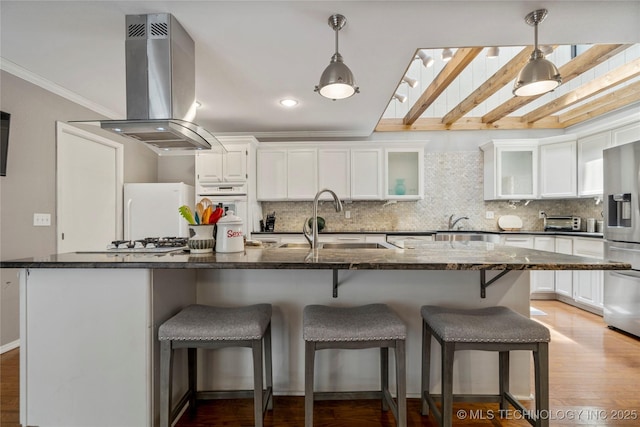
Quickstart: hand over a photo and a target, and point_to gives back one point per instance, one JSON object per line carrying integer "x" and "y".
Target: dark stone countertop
{"x": 432, "y": 256}
{"x": 432, "y": 232}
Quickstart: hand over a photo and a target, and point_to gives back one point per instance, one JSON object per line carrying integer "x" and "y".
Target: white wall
{"x": 30, "y": 184}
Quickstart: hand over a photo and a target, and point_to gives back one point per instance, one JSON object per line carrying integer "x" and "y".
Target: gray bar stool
{"x": 490, "y": 329}
{"x": 368, "y": 326}
{"x": 201, "y": 326}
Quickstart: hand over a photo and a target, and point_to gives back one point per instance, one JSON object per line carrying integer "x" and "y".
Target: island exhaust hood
{"x": 160, "y": 62}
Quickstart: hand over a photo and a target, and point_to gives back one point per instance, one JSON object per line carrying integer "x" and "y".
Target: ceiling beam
{"x": 466, "y": 123}
{"x": 622, "y": 97}
{"x": 590, "y": 58}
{"x": 496, "y": 82}
{"x": 595, "y": 86}
{"x": 461, "y": 59}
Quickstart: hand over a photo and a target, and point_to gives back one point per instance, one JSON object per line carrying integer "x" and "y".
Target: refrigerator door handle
{"x": 627, "y": 274}
{"x": 617, "y": 249}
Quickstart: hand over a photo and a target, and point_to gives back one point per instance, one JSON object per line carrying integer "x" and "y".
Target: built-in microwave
{"x": 221, "y": 189}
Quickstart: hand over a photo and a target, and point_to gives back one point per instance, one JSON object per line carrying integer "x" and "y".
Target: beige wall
{"x": 30, "y": 184}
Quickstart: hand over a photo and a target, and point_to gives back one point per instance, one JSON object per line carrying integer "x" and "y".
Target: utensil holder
{"x": 201, "y": 240}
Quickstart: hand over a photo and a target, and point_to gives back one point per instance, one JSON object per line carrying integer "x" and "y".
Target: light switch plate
{"x": 41, "y": 219}
{"x": 489, "y": 215}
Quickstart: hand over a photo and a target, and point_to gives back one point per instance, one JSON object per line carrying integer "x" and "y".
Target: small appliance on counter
{"x": 562, "y": 223}
{"x": 269, "y": 224}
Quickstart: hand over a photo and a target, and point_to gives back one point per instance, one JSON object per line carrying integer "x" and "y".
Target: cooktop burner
{"x": 148, "y": 243}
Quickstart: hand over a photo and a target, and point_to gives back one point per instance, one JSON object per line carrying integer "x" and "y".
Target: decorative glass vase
{"x": 400, "y": 188}
{"x": 201, "y": 239}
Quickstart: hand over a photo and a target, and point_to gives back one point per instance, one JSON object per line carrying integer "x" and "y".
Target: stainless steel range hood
{"x": 160, "y": 61}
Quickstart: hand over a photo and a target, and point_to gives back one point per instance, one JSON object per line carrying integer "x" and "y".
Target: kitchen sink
{"x": 466, "y": 237}
{"x": 338, "y": 245}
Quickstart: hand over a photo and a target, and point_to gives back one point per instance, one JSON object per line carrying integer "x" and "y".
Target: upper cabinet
{"x": 353, "y": 172}
{"x": 366, "y": 174}
{"x": 626, "y": 134}
{"x": 229, "y": 166}
{"x": 510, "y": 169}
{"x": 590, "y": 169}
{"x": 404, "y": 174}
{"x": 558, "y": 177}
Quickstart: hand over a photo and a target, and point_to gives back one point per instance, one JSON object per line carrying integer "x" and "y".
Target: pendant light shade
{"x": 337, "y": 80}
{"x": 539, "y": 75}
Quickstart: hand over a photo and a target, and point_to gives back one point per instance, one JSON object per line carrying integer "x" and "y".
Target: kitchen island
{"x": 89, "y": 353}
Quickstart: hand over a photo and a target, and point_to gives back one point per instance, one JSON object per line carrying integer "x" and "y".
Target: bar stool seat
{"x": 209, "y": 327}
{"x": 368, "y": 326}
{"x": 490, "y": 329}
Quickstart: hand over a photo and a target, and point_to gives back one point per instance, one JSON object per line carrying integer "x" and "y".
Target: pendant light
{"x": 337, "y": 80}
{"x": 538, "y": 76}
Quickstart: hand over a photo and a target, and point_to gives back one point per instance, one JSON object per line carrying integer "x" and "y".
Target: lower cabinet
{"x": 588, "y": 285}
{"x": 543, "y": 281}
{"x": 564, "y": 279}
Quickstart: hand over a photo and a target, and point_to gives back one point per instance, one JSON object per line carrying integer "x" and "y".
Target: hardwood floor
{"x": 594, "y": 380}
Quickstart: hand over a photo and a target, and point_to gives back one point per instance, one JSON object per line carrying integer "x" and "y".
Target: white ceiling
{"x": 251, "y": 54}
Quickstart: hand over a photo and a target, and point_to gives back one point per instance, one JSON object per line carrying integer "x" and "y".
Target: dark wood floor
{"x": 594, "y": 379}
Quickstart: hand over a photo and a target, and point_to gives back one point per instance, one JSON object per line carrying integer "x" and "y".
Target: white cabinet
{"x": 558, "y": 168}
{"x": 366, "y": 174}
{"x": 520, "y": 241}
{"x": 510, "y": 169}
{"x": 302, "y": 174}
{"x": 588, "y": 285}
{"x": 564, "y": 279}
{"x": 271, "y": 174}
{"x": 404, "y": 174}
{"x": 544, "y": 280}
{"x": 626, "y": 134}
{"x": 590, "y": 173}
{"x": 334, "y": 172}
{"x": 229, "y": 166}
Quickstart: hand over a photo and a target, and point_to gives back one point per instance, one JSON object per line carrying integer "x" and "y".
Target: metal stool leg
{"x": 268, "y": 365}
{"x": 165, "y": 383}
{"x": 448, "y": 350}
{"x": 309, "y": 361}
{"x": 503, "y": 370}
{"x": 193, "y": 375}
{"x": 384, "y": 376}
{"x": 401, "y": 380}
{"x": 426, "y": 367}
{"x": 256, "y": 346}
{"x": 541, "y": 366}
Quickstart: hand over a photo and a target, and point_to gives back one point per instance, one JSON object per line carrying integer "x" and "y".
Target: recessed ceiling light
{"x": 288, "y": 102}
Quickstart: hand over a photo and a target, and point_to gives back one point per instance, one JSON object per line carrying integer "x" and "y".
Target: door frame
{"x": 66, "y": 128}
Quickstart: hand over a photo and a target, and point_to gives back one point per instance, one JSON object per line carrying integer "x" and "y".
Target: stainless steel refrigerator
{"x": 622, "y": 233}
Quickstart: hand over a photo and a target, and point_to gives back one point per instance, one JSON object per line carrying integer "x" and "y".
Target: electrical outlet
{"x": 541, "y": 214}
{"x": 347, "y": 214}
{"x": 41, "y": 219}
{"x": 489, "y": 215}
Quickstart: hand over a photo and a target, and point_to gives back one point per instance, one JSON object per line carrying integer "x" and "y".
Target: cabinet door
{"x": 518, "y": 241}
{"x": 404, "y": 174}
{"x": 588, "y": 285}
{"x": 271, "y": 174}
{"x": 517, "y": 173}
{"x": 334, "y": 172}
{"x": 366, "y": 174}
{"x": 558, "y": 169}
{"x": 234, "y": 165}
{"x": 626, "y": 134}
{"x": 302, "y": 175}
{"x": 543, "y": 281}
{"x": 209, "y": 167}
{"x": 564, "y": 279}
{"x": 590, "y": 176}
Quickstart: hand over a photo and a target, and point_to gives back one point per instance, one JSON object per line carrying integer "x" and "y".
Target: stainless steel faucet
{"x": 452, "y": 222}
{"x": 312, "y": 235}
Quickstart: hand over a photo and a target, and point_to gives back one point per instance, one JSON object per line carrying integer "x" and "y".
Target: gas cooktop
{"x": 146, "y": 245}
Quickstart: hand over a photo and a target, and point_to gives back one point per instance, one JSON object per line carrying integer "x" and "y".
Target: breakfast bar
{"x": 95, "y": 316}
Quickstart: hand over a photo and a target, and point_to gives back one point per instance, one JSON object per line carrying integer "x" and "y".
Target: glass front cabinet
{"x": 404, "y": 173}
{"x": 510, "y": 169}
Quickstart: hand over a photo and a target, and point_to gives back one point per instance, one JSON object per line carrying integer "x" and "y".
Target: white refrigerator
{"x": 151, "y": 209}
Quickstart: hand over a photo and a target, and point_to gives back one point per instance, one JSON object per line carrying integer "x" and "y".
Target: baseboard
{"x": 9, "y": 346}
{"x": 585, "y": 307}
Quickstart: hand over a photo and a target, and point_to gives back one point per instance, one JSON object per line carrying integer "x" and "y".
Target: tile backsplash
{"x": 453, "y": 186}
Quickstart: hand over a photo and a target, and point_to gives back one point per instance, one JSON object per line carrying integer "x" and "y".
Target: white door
{"x": 88, "y": 190}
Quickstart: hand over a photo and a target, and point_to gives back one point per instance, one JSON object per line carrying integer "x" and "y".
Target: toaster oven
{"x": 562, "y": 223}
